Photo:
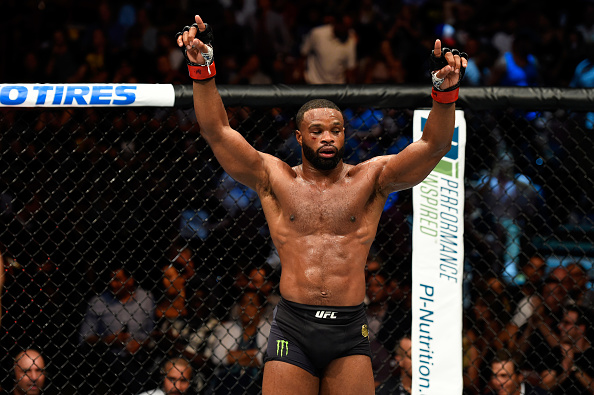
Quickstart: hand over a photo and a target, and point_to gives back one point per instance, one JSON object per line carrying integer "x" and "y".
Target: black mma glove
{"x": 207, "y": 70}
{"x": 448, "y": 95}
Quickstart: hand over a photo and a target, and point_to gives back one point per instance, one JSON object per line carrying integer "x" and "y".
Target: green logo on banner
{"x": 282, "y": 345}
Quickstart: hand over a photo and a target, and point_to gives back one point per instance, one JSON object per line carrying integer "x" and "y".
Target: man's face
{"x": 569, "y": 331}
{"x": 505, "y": 380}
{"x": 554, "y": 295}
{"x": 376, "y": 288}
{"x": 404, "y": 357}
{"x": 535, "y": 270}
{"x": 321, "y": 135}
{"x": 29, "y": 373}
{"x": 177, "y": 380}
{"x": 250, "y": 309}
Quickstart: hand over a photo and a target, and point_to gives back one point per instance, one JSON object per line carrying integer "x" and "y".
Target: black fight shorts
{"x": 313, "y": 336}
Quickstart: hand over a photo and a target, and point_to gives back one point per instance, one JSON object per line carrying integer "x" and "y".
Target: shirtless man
{"x": 323, "y": 217}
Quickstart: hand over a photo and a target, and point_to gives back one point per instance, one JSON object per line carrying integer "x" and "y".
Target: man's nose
{"x": 327, "y": 137}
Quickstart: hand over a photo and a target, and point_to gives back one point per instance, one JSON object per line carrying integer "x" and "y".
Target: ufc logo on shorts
{"x": 326, "y": 314}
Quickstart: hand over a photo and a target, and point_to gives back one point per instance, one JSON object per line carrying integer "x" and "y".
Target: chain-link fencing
{"x": 125, "y": 244}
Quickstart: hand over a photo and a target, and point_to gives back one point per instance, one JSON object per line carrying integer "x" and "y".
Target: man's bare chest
{"x": 338, "y": 209}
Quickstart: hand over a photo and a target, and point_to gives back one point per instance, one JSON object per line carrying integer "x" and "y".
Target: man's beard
{"x": 322, "y": 163}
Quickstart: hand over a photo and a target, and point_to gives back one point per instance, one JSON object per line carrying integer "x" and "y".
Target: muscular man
{"x": 323, "y": 217}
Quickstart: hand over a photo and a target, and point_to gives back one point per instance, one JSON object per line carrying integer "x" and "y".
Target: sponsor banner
{"x": 437, "y": 267}
{"x": 86, "y": 95}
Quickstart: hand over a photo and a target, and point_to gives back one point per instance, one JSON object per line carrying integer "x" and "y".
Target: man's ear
{"x": 298, "y": 136}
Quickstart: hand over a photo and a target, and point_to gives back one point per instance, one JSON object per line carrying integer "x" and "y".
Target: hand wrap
{"x": 199, "y": 72}
{"x": 448, "y": 95}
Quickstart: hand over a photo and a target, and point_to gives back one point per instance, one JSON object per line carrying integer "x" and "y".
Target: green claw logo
{"x": 282, "y": 345}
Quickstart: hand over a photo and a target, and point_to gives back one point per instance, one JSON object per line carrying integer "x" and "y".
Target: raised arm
{"x": 237, "y": 157}
{"x": 409, "y": 167}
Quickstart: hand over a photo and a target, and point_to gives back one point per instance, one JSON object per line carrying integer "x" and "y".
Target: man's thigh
{"x": 348, "y": 375}
{"x": 281, "y": 378}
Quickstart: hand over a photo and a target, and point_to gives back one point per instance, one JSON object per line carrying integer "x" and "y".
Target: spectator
{"x": 165, "y": 47}
{"x": 262, "y": 280}
{"x": 251, "y": 73}
{"x": 401, "y": 384}
{"x": 531, "y": 275}
{"x": 538, "y": 339}
{"x": 273, "y": 40}
{"x": 177, "y": 378}
{"x": 512, "y": 197}
{"x": 116, "y": 328}
{"x": 379, "y": 289}
{"x": 575, "y": 372}
{"x": 507, "y": 378}
{"x": 363, "y": 132}
{"x": 579, "y": 282}
{"x": 330, "y": 52}
{"x": 484, "y": 334}
{"x": 96, "y": 64}
{"x": 29, "y": 373}
{"x": 173, "y": 303}
{"x": 403, "y": 47}
{"x": 237, "y": 349}
{"x": 61, "y": 64}
{"x": 166, "y": 73}
{"x": 173, "y": 309}
{"x": 517, "y": 67}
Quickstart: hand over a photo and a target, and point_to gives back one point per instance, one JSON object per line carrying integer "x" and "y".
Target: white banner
{"x": 437, "y": 267}
{"x": 86, "y": 95}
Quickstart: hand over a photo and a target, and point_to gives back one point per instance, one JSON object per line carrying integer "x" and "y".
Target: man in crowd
{"x": 401, "y": 384}
{"x": 507, "y": 378}
{"x": 29, "y": 373}
{"x": 116, "y": 330}
{"x": 573, "y": 372}
{"x": 177, "y": 378}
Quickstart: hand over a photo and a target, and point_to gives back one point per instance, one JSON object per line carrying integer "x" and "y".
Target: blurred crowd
{"x": 130, "y": 255}
{"x": 313, "y": 41}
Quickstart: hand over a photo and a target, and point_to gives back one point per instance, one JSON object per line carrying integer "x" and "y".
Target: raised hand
{"x": 196, "y": 44}
{"x": 456, "y": 63}
{"x": 194, "y": 47}
{"x": 447, "y": 70}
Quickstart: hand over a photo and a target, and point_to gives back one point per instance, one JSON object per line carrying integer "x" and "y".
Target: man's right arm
{"x": 237, "y": 157}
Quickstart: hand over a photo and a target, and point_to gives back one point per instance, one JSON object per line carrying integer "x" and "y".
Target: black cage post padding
{"x": 396, "y": 96}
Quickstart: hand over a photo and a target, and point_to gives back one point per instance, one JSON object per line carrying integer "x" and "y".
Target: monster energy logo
{"x": 282, "y": 345}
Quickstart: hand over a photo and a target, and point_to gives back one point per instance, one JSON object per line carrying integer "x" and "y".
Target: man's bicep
{"x": 407, "y": 168}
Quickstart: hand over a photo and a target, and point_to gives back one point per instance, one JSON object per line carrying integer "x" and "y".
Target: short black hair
{"x": 503, "y": 356}
{"x": 585, "y": 317}
{"x": 315, "y": 103}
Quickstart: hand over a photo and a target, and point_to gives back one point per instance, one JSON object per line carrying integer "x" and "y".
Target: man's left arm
{"x": 409, "y": 167}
